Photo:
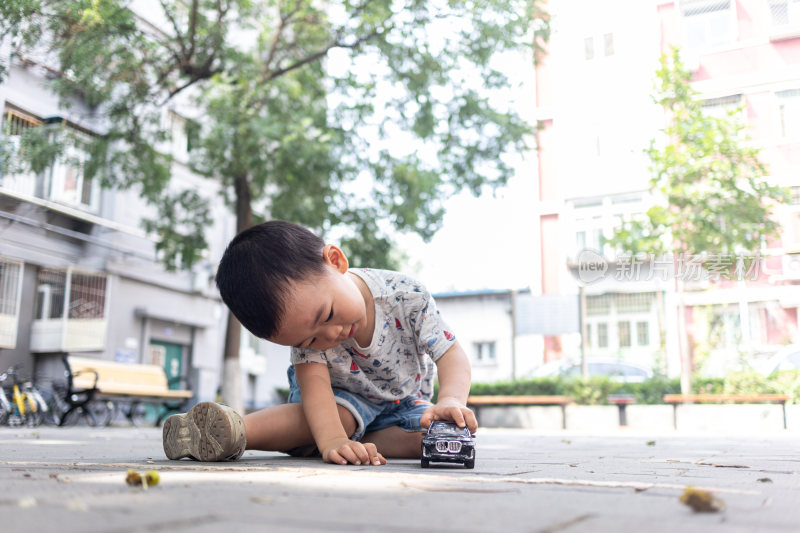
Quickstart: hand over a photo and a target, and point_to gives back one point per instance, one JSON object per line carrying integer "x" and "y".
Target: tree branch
{"x": 175, "y": 27}
{"x": 193, "y": 28}
{"x": 319, "y": 54}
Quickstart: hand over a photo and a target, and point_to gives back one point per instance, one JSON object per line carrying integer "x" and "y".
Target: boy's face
{"x": 325, "y": 310}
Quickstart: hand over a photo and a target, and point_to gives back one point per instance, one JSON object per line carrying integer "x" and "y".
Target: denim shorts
{"x": 369, "y": 415}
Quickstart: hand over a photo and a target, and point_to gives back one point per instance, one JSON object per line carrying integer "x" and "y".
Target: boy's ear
{"x": 335, "y": 257}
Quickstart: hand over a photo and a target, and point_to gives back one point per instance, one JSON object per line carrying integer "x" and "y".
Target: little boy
{"x": 363, "y": 347}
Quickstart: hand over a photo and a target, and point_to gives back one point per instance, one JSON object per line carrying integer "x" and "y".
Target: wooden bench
{"x": 475, "y": 402}
{"x": 96, "y": 379}
{"x": 678, "y": 399}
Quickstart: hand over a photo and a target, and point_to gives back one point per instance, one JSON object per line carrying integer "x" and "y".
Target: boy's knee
{"x": 348, "y": 420}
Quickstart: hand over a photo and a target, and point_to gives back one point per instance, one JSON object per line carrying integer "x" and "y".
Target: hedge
{"x": 595, "y": 390}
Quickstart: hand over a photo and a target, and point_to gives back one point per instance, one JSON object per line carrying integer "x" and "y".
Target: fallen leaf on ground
{"x": 701, "y": 501}
{"x": 149, "y": 478}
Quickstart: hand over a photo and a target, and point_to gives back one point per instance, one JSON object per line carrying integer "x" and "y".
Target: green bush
{"x": 595, "y": 390}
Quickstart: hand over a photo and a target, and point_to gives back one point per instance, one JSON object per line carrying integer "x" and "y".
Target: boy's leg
{"x": 396, "y": 443}
{"x": 214, "y": 432}
{"x": 284, "y": 427}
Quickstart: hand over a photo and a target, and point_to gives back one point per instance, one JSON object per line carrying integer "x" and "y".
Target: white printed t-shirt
{"x": 409, "y": 336}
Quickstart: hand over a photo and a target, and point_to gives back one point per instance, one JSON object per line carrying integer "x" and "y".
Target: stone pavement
{"x": 72, "y": 480}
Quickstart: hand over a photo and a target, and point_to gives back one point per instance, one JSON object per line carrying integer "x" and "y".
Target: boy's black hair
{"x": 259, "y": 263}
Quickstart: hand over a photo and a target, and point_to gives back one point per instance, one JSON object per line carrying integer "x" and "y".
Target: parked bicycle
{"x": 96, "y": 413}
{"x": 24, "y": 405}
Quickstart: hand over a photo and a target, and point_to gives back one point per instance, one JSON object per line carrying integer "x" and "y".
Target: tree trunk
{"x": 231, "y": 369}
{"x": 683, "y": 340}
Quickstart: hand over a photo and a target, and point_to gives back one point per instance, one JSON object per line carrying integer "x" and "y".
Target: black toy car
{"x": 445, "y": 442}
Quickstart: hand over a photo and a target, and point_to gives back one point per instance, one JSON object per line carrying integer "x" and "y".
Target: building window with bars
{"x": 624, "y": 332}
{"x": 65, "y": 181}
{"x": 70, "y": 311}
{"x": 643, "y": 333}
{"x": 708, "y": 23}
{"x": 602, "y": 335}
{"x": 14, "y": 176}
{"x": 725, "y": 107}
{"x": 784, "y": 15}
{"x": 10, "y": 294}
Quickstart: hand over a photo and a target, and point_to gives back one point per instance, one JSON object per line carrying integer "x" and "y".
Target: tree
{"x": 353, "y": 118}
{"x": 713, "y": 202}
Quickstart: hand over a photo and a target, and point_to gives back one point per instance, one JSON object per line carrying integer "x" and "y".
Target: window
{"x": 580, "y": 240}
{"x": 50, "y": 294}
{"x": 602, "y": 335}
{"x": 784, "y": 13}
{"x": 588, "y": 48}
{"x": 69, "y": 183}
{"x": 789, "y": 112}
{"x": 795, "y": 195}
{"x": 643, "y": 334}
{"x": 15, "y": 124}
{"x": 589, "y": 335}
{"x": 635, "y": 302}
{"x": 722, "y": 107}
{"x": 598, "y": 305}
{"x": 608, "y": 39}
{"x": 87, "y": 295}
{"x": 10, "y": 293}
{"x": 65, "y": 182}
{"x": 624, "y": 331}
{"x": 485, "y": 352}
{"x": 708, "y": 23}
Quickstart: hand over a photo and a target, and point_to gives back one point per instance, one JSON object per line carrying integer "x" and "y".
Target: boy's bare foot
{"x": 208, "y": 432}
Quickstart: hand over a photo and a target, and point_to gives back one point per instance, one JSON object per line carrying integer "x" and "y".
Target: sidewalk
{"x": 72, "y": 480}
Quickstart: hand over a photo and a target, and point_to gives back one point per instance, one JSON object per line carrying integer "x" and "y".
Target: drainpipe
{"x": 513, "y": 293}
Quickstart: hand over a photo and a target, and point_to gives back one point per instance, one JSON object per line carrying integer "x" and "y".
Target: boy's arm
{"x": 322, "y": 416}
{"x": 454, "y": 379}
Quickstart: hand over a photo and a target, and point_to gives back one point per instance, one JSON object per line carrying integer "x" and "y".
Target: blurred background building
{"x": 593, "y": 95}
{"x": 78, "y": 275}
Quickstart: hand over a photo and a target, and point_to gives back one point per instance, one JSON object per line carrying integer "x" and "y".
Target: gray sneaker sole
{"x": 208, "y": 432}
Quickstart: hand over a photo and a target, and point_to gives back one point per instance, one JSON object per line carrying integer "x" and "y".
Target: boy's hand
{"x": 343, "y": 451}
{"x": 451, "y": 410}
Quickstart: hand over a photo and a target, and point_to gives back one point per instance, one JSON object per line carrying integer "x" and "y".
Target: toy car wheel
{"x": 424, "y": 463}
{"x": 469, "y": 464}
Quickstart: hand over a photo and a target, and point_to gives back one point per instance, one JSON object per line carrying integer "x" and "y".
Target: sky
{"x": 488, "y": 242}
{"x": 485, "y": 243}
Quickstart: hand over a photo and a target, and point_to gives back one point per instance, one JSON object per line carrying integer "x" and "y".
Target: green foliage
{"x": 296, "y": 122}
{"x": 710, "y": 182}
{"x": 596, "y": 390}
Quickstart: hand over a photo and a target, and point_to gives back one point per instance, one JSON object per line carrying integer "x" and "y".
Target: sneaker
{"x": 208, "y": 432}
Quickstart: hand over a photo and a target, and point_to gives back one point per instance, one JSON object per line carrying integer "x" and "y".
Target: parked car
{"x": 445, "y": 442}
{"x": 787, "y": 358}
{"x": 616, "y": 370}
